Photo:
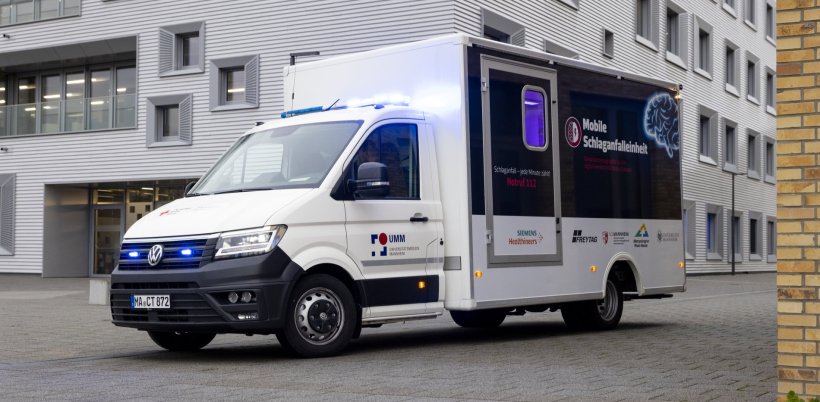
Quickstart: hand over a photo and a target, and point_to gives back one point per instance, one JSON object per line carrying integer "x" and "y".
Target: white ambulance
{"x": 455, "y": 175}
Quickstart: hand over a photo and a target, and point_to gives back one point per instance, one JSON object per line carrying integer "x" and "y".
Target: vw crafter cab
{"x": 454, "y": 174}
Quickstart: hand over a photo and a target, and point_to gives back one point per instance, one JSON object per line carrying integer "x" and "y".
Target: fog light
{"x": 246, "y": 297}
{"x": 233, "y": 297}
{"x": 248, "y": 316}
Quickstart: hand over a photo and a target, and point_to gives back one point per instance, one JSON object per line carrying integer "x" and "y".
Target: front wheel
{"x": 596, "y": 314}
{"x": 321, "y": 317}
{"x": 181, "y": 341}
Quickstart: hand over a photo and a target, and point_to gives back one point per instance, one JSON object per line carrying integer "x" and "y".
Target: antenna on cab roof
{"x": 293, "y": 57}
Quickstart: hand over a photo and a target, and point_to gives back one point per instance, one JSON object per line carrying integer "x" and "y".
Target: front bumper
{"x": 199, "y": 296}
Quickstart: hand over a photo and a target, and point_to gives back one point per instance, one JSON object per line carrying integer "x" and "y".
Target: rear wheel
{"x": 181, "y": 341}
{"x": 479, "y": 318}
{"x": 596, "y": 314}
{"x": 321, "y": 317}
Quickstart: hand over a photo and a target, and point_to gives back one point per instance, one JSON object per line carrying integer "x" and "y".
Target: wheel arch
{"x": 626, "y": 270}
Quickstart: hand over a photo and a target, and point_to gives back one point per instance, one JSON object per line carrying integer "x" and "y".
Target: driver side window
{"x": 395, "y": 146}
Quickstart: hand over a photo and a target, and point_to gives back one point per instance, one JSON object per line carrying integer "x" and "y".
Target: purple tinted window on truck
{"x": 535, "y": 125}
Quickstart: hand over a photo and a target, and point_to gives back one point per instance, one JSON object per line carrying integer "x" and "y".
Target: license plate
{"x": 152, "y": 302}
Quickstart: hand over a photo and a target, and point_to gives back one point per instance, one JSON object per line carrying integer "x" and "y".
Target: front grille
{"x": 202, "y": 252}
{"x": 185, "y": 307}
{"x": 154, "y": 285}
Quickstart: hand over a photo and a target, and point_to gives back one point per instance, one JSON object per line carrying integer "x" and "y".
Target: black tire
{"x": 333, "y": 323}
{"x": 479, "y": 318}
{"x": 599, "y": 315}
{"x": 181, "y": 341}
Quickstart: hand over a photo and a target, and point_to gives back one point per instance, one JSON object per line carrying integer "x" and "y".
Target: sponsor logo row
{"x": 640, "y": 239}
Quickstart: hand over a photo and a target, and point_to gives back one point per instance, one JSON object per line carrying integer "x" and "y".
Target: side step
{"x": 634, "y": 296}
{"x": 401, "y": 318}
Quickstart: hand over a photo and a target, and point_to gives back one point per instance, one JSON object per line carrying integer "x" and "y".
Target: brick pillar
{"x": 798, "y": 197}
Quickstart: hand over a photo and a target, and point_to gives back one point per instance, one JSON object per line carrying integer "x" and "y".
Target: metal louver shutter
{"x": 656, "y": 21}
{"x": 186, "y": 119}
{"x": 7, "y": 214}
{"x": 518, "y": 38}
{"x": 252, "y": 81}
{"x": 166, "y": 51}
{"x": 685, "y": 23}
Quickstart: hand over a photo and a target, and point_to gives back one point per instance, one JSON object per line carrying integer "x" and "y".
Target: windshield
{"x": 286, "y": 157}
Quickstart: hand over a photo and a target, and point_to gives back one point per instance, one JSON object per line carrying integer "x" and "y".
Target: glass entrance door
{"x": 108, "y": 230}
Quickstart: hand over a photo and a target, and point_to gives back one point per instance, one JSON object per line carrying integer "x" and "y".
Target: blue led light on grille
{"x": 186, "y": 252}
{"x": 133, "y": 254}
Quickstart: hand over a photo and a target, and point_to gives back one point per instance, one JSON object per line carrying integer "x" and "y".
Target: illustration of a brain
{"x": 660, "y": 122}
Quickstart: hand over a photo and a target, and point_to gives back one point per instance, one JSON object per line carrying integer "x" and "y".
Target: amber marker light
{"x": 479, "y": 274}
{"x": 593, "y": 269}
{"x": 422, "y": 284}
{"x": 681, "y": 264}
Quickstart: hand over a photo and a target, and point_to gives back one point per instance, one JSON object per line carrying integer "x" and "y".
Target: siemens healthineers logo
{"x": 574, "y": 134}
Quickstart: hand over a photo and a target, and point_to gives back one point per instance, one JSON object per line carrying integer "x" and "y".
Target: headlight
{"x": 249, "y": 242}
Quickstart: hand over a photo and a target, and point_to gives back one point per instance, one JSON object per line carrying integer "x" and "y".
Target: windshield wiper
{"x": 241, "y": 190}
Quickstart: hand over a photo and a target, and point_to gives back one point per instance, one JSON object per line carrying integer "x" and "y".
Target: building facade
{"x": 108, "y": 108}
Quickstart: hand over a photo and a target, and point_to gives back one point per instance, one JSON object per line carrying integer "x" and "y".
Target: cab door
{"x": 391, "y": 236}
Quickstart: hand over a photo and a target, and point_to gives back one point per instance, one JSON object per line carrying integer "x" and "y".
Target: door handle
{"x": 419, "y": 218}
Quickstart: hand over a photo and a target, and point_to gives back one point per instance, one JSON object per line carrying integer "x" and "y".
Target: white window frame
{"x": 153, "y": 134}
{"x": 728, "y": 165}
{"x": 759, "y": 238}
{"x": 732, "y": 72}
{"x": 717, "y": 253}
{"x": 169, "y": 49}
{"x": 217, "y": 97}
{"x": 680, "y": 58}
{"x": 689, "y": 221}
{"x": 576, "y": 4}
{"x": 559, "y": 49}
{"x": 712, "y": 147}
{"x": 650, "y": 38}
{"x": 771, "y": 23}
{"x": 36, "y": 12}
{"x": 753, "y": 96}
{"x": 708, "y": 65}
{"x": 730, "y": 6}
{"x": 7, "y": 206}
{"x": 608, "y": 43}
{"x": 771, "y": 92}
{"x": 515, "y": 31}
{"x": 753, "y": 169}
{"x": 771, "y": 240}
{"x": 750, "y": 13}
{"x": 769, "y": 178}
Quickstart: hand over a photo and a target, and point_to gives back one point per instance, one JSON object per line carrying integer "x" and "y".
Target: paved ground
{"x": 715, "y": 342}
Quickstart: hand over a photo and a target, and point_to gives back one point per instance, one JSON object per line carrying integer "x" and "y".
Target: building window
{"x": 608, "y": 46}
{"x": 561, "y": 50}
{"x": 732, "y": 70}
{"x": 708, "y": 135}
{"x": 703, "y": 48}
{"x": 750, "y": 12}
{"x": 396, "y": 146}
{"x": 753, "y": 155}
{"x": 770, "y": 21}
{"x": 689, "y": 229}
{"x": 534, "y": 101}
{"x": 182, "y": 49}
{"x": 771, "y": 239}
{"x": 714, "y": 232}
{"x": 729, "y": 145}
{"x": 677, "y": 34}
{"x": 755, "y": 243}
{"x": 7, "y": 182}
{"x": 234, "y": 83}
{"x": 770, "y": 161}
{"x": 169, "y": 120}
{"x": 502, "y": 29}
{"x": 647, "y": 23}
{"x": 730, "y": 7}
{"x": 99, "y": 97}
{"x": 22, "y": 11}
{"x": 771, "y": 91}
{"x": 752, "y": 79}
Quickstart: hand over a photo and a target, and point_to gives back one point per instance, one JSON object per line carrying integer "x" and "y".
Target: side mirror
{"x": 188, "y": 188}
{"x": 372, "y": 181}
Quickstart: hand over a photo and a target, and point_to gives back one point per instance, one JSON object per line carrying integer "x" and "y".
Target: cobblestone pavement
{"x": 715, "y": 342}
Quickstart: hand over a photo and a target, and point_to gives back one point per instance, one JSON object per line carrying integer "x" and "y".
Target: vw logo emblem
{"x": 155, "y": 255}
